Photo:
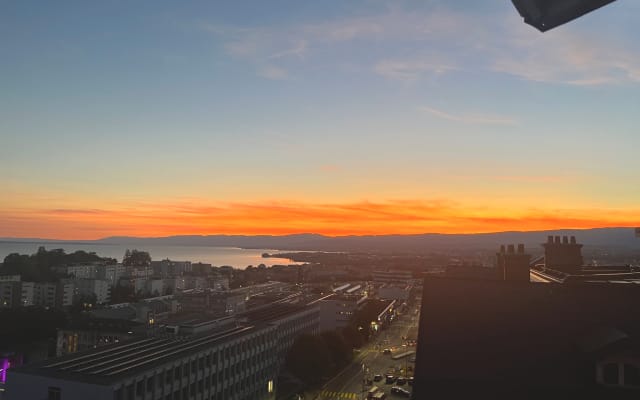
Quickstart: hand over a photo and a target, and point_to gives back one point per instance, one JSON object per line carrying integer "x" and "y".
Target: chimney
{"x": 565, "y": 240}
{"x": 521, "y": 248}
{"x": 550, "y": 239}
{"x": 573, "y": 240}
{"x": 511, "y": 249}
{"x": 557, "y": 240}
{"x": 502, "y": 249}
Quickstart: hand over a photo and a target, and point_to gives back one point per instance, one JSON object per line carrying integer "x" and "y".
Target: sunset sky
{"x": 155, "y": 118}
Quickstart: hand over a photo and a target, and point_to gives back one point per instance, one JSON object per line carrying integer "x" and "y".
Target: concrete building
{"x": 87, "y": 271}
{"x": 336, "y": 311}
{"x": 100, "y": 288}
{"x": 167, "y": 268}
{"x": 50, "y": 294}
{"x": 239, "y": 361}
{"x": 10, "y": 294}
{"x": 213, "y": 303}
{"x": 27, "y": 293}
{"x": 111, "y": 273}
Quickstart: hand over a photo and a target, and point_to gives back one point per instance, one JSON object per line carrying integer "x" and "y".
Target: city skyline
{"x": 371, "y": 117}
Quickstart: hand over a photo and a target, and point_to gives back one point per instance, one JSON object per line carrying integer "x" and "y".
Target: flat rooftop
{"x": 110, "y": 364}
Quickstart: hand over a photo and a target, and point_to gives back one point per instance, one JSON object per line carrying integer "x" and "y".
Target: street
{"x": 371, "y": 360}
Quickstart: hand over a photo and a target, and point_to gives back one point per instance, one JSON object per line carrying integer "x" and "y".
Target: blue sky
{"x": 108, "y": 103}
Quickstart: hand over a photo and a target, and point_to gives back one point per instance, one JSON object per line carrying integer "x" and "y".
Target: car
{"x": 386, "y": 351}
{"x": 377, "y": 378}
{"x": 410, "y": 381}
{"x": 390, "y": 379}
{"x": 400, "y": 391}
{"x": 401, "y": 381}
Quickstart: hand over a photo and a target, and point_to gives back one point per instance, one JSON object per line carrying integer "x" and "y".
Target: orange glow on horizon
{"x": 280, "y": 218}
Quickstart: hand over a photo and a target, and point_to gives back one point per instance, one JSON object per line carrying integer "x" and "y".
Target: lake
{"x": 217, "y": 256}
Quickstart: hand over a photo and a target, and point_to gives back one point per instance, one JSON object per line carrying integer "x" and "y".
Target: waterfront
{"x": 217, "y": 256}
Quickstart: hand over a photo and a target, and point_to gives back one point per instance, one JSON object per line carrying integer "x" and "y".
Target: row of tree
{"x": 38, "y": 267}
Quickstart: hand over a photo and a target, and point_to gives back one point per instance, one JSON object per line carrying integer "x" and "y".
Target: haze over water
{"x": 217, "y": 256}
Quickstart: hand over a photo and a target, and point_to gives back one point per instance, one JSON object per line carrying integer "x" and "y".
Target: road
{"x": 348, "y": 384}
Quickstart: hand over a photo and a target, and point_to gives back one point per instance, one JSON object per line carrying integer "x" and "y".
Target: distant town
{"x": 335, "y": 325}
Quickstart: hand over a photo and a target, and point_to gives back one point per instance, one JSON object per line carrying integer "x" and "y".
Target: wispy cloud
{"x": 411, "y": 70}
{"x": 565, "y": 57}
{"x": 471, "y": 118}
{"x": 297, "y": 50}
{"x": 496, "y": 42}
{"x": 274, "y": 73}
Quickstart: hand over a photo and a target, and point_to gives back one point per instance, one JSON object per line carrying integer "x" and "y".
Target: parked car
{"x": 390, "y": 379}
{"x": 410, "y": 381}
{"x": 401, "y": 381}
{"x": 377, "y": 378}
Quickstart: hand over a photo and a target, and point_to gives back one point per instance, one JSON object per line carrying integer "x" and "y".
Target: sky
{"x": 157, "y": 118}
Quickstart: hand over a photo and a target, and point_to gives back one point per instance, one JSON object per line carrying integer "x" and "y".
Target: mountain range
{"x": 602, "y": 237}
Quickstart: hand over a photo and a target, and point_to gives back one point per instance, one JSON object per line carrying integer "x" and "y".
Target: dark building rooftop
{"x": 515, "y": 340}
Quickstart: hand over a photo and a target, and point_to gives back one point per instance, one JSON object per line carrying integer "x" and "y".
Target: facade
{"x": 100, "y": 288}
{"x": 166, "y": 268}
{"x": 27, "y": 293}
{"x": 210, "y": 302}
{"x": 238, "y": 362}
{"x": 337, "y": 311}
{"x": 89, "y": 271}
{"x": 10, "y": 294}
{"x": 111, "y": 273}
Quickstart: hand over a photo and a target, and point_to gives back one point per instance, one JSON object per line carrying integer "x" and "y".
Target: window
{"x": 54, "y": 393}
{"x": 149, "y": 384}
{"x": 610, "y": 374}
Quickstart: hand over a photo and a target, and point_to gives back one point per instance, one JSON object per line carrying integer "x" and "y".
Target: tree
{"x": 136, "y": 258}
{"x": 309, "y": 359}
{"x": 340, "y": 351}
